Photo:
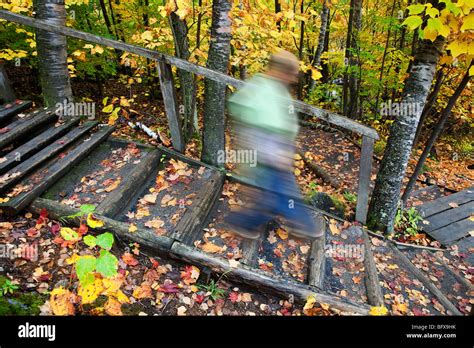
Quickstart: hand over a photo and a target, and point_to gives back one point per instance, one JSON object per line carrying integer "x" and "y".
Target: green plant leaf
{"x": 90, "y": 240}
{"x": 416, "y": 9}
{"x": 85, "y": 266}
{"x": 87, "y": 208}
{"x": 68, "y": 233}
{"x": 105, "y": 240}
{"x": 107, "y": 264}
{"x": 413, "y": 22}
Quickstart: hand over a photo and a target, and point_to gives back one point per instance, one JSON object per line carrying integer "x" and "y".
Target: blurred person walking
{"x": 264, "y": 121}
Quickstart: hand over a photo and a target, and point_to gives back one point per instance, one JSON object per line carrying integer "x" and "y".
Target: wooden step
{"x": 191, "y": 224}
{"x": 447, "y": 235}
{"x": 118, "y": 199}
{"x": 53, "y": 170}
{"x": 447, "y": 217}
{"x": 23, "y": 127}
{"x": 8, "y": 111}
{"x": 18, "y": 172}
{"x": 25, "y": 151}
{"x": 443, "y": 203}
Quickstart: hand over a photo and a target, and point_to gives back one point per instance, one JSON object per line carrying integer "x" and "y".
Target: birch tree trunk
{"x": 214, "y": 92}
{"x": 186, "y": 78}
{"x": 52, "y": 53}
{"x": 435, "y": 134}
{"x": 386, "y": 195}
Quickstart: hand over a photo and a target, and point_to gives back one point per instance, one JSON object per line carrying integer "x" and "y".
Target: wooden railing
{"x": 164, "y": 63}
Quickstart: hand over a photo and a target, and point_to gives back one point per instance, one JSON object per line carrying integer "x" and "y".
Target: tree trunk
{"x": 214, "y": 92}
{"x": 186, "y": 78}
{"x": 436, "y": 132}
{"x": 351, "y": 80}
{"x": 106, "y": 18}
{"x": 384, "y": 57}
{"x": 429, "y": 104}
{"x": 301, "y": 78}
{"x": 321, "y": 39}
{"x": 386, "y": 195}
{"x": 52, "y": 53}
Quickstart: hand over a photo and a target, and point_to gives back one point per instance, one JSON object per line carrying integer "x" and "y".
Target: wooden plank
{"x": 171, "y": 105}
{"x": 16, "y": 107}
{"x": 448, "y": 234}
{"x": 146, "y": 237}
{"x": 118, "y": 199}
{"x": 22, "y": 127}
{"x": 250, "y": 249}
{"x": 426, "y": 282}
{"x": 18, "y": 172}
{"x": 365, "y": 172}
{"x": 447, "y": 217}
{"x": 317, "y": 259}
{"x": 330, "y": 117}
{"x": 371, "y": 277}
{"x": 26, "y": 150}
{"x": 191, "y": 224}
{"x": 465, "y": 244}
{"x": 55, "y": 170}
{"x": 263, "y": 281}
{"x": 441, "y": 204}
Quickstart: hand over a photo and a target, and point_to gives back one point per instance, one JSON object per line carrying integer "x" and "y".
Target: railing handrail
{"x": 300, "y": 106}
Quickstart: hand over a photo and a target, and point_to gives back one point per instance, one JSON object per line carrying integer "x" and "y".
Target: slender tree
{"x": 186, "y": 78}
{"x": 52, "y": 53}
{"x": 435, "y": 134}
{"x": 321, "y": 39}
{"x": 386, "y": 195}
{"x": 214, "y": 92}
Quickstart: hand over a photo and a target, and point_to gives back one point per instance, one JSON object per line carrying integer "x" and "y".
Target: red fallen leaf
{"x": 154, "y": 262}
{"x": 4, "y": 130}
{"x": 122, "y": 271}
{"x": 55, "y": 228}
{"x": 44, "y": 213}
{"x": 61, "y": 142}
{"x": 129, "y": 259}
{"x": 58, "y": 240}
{"x": 44, "y": 277}
{"x": 169, "y": 288}
{"x": 82, "y": 229}
{"x": 62, "y": 155}
{"x": 199, "y": 298}
{"x": 29, "y": 252}
{"x": 277, "y": 252}
{"x": 418, "y": 311}
{"x": 8, "y": 106}
{"x": 32, "y": 232}
{"x": 233, "y": 297}
{"x": 18, "y": 102}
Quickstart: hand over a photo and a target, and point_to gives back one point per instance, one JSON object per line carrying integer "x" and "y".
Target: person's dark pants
{"x": 278, "y": 195}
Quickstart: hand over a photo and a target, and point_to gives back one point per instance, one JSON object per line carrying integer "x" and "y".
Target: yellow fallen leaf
{"x": 90, "y": 292}
{"x": 113, "y": 185}
{"x": 93, "y": 222}
{"x": 309, "y": 303}
{"x": 211, "y": 248}
{"x": 113, "y": 307}
{"x": 132, "y": 228}
{"x": 333, "y": 228}
{"x": 282, "y": 233}
{"x": 378, "y": 310}
{"x": 62, "y": 301}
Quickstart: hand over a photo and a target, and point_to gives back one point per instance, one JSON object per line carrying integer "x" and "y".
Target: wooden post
{"x": 6, "y": 93}
{"x": 365, "y": 172}
{"x": 171, "y": 105}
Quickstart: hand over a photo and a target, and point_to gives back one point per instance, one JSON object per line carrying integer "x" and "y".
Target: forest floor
{"x": 155, "y": 286}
